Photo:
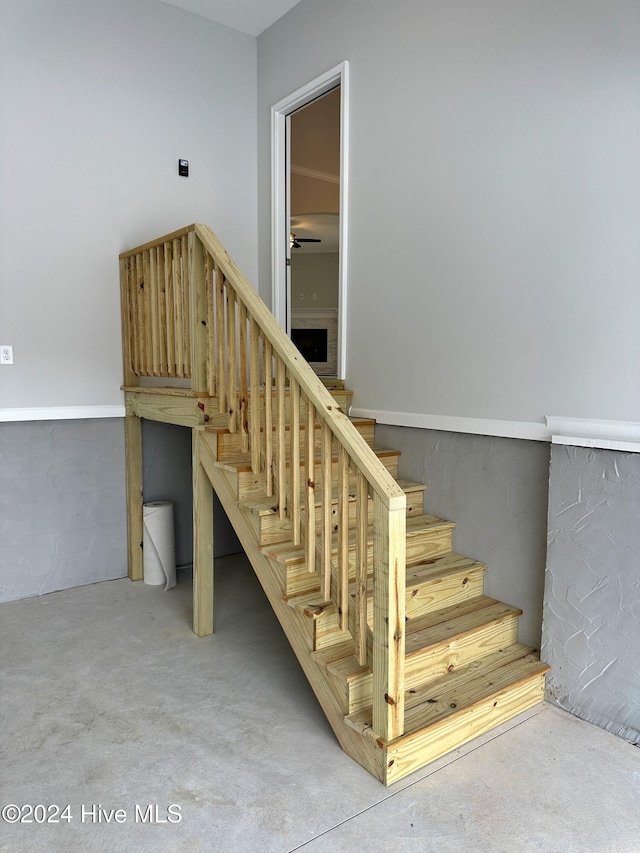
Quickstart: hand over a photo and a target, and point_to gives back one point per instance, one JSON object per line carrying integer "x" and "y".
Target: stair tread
{"x": 222, "y": 430}
{"x": 424, "y": 633}
{"x": 415, "y": 525}
{"x": 242, "y": 462}
{"x": 268, "y": 505}
{"x": 454, "y": 694}
{"x": 430, "y": 570}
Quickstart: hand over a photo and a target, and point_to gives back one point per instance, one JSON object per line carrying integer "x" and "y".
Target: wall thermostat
{"x": 183, "y": 168}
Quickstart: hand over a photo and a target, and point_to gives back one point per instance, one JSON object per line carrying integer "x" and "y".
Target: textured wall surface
{"x": 495, "y": 489}
{"x": 62, "y": 505}
{"x": 166, "y": 455}
{"x": 591, "y": 633}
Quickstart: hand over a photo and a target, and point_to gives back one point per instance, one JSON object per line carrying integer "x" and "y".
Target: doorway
{"x": 310, "y": 218}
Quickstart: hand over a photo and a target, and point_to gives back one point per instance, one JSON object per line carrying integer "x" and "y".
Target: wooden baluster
{"x": 148, "y": 336}
{"x": 168, "y": 308}
{"x": 281, "y": 438}
{"x": 362, "y": 524}
{"x": 132, "y": 299}
{"x": 220, "y": 342}
{"x": 244, "y": 387}
{"x": 232, "y": 390}
{"x": 343, "y": 538}
{"x": 268, "y": 417}
{"x": 177, "y": 308}
{"x": 186, "y": 306}
{"x": 211, "y": 324}
{"x": 294, "y": 455}
{"x": 153, "y": 300}
{"x": 310, "y": 491}
{"x": 139, "y": 286}
{"x": 162, "y": 315}
{"x": 325, "y": 564}
{"x": 255, "y": 395}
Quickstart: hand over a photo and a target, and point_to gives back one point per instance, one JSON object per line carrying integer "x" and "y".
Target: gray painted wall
{"x": 62, "y": 505}
{"x": 166, "y": 454}
{"x": 495, "y": 489}
{"x": 494, "y": 199}
{"x": 98, "y": 100}
{"x": 591, "y": 633}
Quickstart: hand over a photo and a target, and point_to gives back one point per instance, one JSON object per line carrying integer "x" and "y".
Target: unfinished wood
{"x": 220, "y": 341}
{"x": 268, "y": 419}
{"x": 152, "y": 243}
{"x": 327, "y": 479}
{"x": 168, "y": 308}
{"x": 211, "y": 324}
{"x": 149, "y": 315}
{"x": 152, "y": 285}
{"x": 361, "y": 569}
{"x": 169, "y": 409}
{"x": 413, "y": 751}
{"x": 244, "y": 384}
{"x": 447, "y": 647}
{"x": 295, "y": 462}
{"x": 125, "y": 316}
{"x": 142, "y": 314}
{"x": 202, "y": 544}
{"x": 389, "y": 561}
{"x": 254, "y": 368}
{"x": 280, "y": 438}
{"x": 132, "y": 296}
{"x": 162, "y": 313}
{"x": 133, "y": 455}
{"x": 310, "y": 490}
{"x": 177, "y": 308}
{"x": 310, "y": 384}
{"x": 198, "y": 313}
{"x": 232, "y": 385}
{"x": 186, "y": 308}
{"x": 343, "y": 539}
{"x": 362, "y": 750}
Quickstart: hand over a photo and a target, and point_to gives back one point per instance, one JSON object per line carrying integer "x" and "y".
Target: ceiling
{"x": 248, "y": 16}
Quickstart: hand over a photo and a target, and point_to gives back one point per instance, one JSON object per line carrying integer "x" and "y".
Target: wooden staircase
{"x": 406, "y": 655}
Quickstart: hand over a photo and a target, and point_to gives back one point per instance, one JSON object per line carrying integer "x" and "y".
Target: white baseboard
{"x": 450, "y": 423}
{"x": 578, "y": 432}
{"x": 62, "y": 413}
{"x": 605, "y": 435}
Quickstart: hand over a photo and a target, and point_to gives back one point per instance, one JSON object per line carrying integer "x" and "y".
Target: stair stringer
{"x": 368, "y": 752}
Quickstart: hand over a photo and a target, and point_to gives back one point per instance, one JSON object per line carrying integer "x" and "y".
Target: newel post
{"x": 389, "y": 578}
{"x": 198, "y": 314}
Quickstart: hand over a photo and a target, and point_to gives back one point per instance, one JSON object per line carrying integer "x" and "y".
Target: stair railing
{"x": 188, "y": 312}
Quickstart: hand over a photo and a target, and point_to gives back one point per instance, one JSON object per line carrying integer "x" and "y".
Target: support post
{"x": 202, "y": 544}
{"x": 133, "y": 462}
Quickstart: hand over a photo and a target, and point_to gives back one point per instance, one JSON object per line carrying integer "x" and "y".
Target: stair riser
{"x": 431, "y": 663}
{"x": 435, "y": 662}
{"x": 430, "y": 595}
{"x": 229, "y": 445}
{"x": 421, "y": 545}
{"x": 414, "y": 752}
{"x": 273, "y": 530}
{"x": 249, "y": 485}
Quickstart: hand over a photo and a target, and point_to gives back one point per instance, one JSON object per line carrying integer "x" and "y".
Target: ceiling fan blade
{"x": 308, "y": 240}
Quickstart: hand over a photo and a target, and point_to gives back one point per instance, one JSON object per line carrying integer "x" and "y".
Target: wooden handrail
{"x": 188, "y": 311}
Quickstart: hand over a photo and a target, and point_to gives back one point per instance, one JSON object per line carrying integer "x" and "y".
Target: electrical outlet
{"x": 6, "y": 354}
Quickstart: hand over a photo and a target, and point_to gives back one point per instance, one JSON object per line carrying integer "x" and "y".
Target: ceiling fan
{"x": 295, "y": 242}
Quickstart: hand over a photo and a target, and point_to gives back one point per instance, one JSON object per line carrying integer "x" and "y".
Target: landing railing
{"x": 188, "y": 312}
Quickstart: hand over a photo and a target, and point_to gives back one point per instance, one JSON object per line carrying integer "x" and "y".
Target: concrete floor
{"x": 109, "y": 700}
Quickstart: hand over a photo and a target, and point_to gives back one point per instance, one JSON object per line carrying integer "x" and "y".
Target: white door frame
{"x": 338, "y": 75}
